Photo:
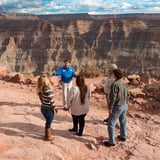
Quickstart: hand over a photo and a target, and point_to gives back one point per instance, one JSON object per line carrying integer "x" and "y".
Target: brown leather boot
{"x": 48, "y": 136}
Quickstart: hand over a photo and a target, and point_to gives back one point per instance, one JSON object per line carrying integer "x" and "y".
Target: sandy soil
{"x": 22, "y": 130}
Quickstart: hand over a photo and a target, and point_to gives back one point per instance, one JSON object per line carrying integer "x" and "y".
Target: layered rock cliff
{"x": 34, "y": 44}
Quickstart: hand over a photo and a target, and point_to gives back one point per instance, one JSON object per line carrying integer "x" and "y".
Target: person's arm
{"x": 112, "y": 96}
{"x": 50, "y": 96}
{"x": 47, "y": 97}
{"x": 58, "y": 72}
{"x": 128, "y": 93}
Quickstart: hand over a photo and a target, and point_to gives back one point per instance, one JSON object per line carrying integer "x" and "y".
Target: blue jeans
{"x": 117, "y": 112}
{"x": 48, "y": 114}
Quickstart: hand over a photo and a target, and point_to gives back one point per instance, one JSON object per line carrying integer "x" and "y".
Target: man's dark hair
{"x": 118, "y": 73}
{"x": 67, "y": 60}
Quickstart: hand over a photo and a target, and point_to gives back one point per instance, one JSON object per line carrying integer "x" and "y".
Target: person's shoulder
{"x": 60, "y": 68}
{"x": 115, "y": 83}
{"x": 118, "y": 82}
{"x": 71, "y": 68}
{"x": 63, "y": 67}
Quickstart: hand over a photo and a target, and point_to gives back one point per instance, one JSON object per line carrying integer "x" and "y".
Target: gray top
{"x": 107, "y": 84}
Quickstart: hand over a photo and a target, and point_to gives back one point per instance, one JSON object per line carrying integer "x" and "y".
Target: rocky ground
{"x": 22, "y": 129}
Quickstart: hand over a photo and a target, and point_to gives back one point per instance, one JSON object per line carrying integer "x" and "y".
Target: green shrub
{"x": 91, "y": 71}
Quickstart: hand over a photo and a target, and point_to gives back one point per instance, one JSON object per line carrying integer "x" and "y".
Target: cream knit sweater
{"x": 74, "y": 101}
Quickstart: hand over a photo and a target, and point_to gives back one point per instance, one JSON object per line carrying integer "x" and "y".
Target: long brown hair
{"x": 82, "y": 87}
{"x": 41, "y": 84}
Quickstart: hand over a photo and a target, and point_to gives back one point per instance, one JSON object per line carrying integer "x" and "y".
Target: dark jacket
{"x": 119, "y": 94}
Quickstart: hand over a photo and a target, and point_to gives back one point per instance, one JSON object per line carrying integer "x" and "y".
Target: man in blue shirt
{"x": 67, "y": 72}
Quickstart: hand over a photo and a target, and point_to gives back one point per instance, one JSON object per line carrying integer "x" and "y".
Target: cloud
{"x": 19, "y": 6}
{"x": 91, "y": 3}
{"x": 126, "y": 5}
{"x": 74, "y": 6}
{"x": 4, "y": 2}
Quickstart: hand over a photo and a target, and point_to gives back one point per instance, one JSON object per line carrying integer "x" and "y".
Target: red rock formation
{"x": 36, "y": 44}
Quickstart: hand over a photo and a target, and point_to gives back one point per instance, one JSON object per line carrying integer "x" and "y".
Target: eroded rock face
{"x": 36, "y": 44}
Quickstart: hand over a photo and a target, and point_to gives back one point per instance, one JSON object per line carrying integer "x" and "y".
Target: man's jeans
{"x": 117, "y": 112}
{"x": 48, "y": 113}
{"x": 65, "y": 89}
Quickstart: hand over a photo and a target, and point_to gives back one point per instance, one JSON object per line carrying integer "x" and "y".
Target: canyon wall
{"x": 34, "y": 44}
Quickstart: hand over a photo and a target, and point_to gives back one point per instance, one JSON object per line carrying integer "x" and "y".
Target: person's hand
{"x": 56, "y": 110}
{"x": 110, "y": 111}
{"x": 66, "y": 108}
{"x": 53, "y": 71}
{"x": 75, "y": 73}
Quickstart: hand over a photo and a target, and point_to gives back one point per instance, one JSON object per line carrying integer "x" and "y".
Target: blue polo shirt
{"x": 66, "y": 74}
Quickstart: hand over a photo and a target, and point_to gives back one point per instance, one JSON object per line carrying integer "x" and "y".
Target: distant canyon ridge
{"x": 33, "y": 44}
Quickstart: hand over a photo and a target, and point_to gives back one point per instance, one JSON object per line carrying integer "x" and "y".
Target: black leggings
{"x": 79, "y": 120}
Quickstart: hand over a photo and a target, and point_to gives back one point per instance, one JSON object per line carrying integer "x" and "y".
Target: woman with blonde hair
{"x": 78, "y": 100}
{"x": 46, "y": 96}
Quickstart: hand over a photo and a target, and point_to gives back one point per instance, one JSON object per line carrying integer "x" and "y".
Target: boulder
{"x": 152, "y": 90}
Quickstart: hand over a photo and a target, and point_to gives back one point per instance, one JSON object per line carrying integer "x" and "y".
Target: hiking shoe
{"x": 121, "y": 138}
{"x": 107, "y": 144}
{"x": 72, "y": 130}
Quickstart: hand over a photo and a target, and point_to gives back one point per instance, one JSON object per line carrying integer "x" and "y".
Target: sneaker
{"x": 121, "y": 138}
{"x": 107, "y": 144}
{"x": 72, "y": 130}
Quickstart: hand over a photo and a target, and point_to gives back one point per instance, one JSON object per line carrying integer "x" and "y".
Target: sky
{"x": 43, "y": 7}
